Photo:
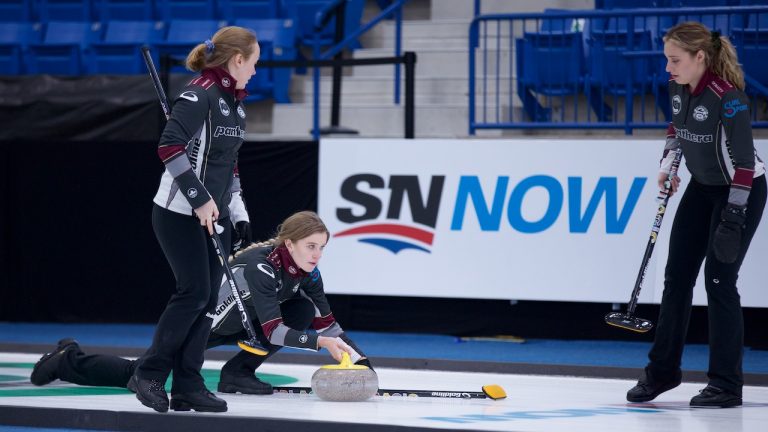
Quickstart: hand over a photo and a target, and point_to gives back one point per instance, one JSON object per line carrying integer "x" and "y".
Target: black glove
{"x": 242, "y": 236}
{"x": 727, "y": 241}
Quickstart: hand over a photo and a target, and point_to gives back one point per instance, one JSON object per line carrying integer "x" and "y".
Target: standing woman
{"x": 199, "y": 149}
{"x": 717, "y": 216}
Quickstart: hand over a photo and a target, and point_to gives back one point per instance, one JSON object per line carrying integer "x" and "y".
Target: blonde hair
{"x": 296, "y": 227}
{"x": 226, "y": 43}
{"x": 719, "y": 53}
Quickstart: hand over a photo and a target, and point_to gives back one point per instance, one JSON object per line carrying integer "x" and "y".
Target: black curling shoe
{"x": 151, "y": 393}
{"x": 247, "y": 384}
{"x": 648, "y": 388}
{"x": 46, "y": 369}
{"x": 715, "y": 397}
{"x": 200, "y": 400}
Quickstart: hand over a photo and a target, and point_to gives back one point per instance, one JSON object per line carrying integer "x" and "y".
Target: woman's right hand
{"x": 208, "y": 213}
{"x": 335, "y": 346}
{"x": 674, "y": 183}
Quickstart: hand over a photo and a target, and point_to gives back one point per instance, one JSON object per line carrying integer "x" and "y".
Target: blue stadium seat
{"x": 277, "y": 40}
{"x": 120, "y": 50}
{"x": 15, "y": 10}
{"x": 183, "y": 35}
{"x": 65, "y": 10}
{"x": 752, "y": 48}
{"x": 303, "y": 12}
{"x": 63, "y": 48}
{"x": 551, "y": 64}
{"x": 699, "y": 3}
{"x": 124, "y": 10}
{"x": 169, "y": 10}
{"x": 15, "y": 38}
{"x": 232, "y": 10}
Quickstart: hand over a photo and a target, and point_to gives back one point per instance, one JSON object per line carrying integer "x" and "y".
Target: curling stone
{"x": 345, "y": 382}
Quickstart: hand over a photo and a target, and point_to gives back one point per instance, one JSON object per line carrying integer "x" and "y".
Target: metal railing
{"x": 595, "y": 69}
{"x": 336, "y": 8}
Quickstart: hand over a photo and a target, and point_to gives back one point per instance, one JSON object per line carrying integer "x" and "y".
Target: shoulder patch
{"x": 266, "y": 269}
{"x": 732, "y": 106}
{"x": 189, "y": 95}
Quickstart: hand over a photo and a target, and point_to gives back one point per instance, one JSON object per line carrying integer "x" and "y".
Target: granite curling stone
{"x": 345, "y": 382}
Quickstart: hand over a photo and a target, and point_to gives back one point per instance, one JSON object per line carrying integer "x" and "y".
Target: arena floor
{"x": 533, "y": 403}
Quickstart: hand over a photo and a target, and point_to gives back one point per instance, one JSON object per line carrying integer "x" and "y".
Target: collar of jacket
{"x": 225, "y": 81}
{"x": 703, "y": 82}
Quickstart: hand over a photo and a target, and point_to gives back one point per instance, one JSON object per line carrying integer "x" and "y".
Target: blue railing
{"x": 394, "y": 10}
{"x": 595, "y": 69}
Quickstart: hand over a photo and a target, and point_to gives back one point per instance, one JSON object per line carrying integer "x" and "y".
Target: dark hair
{"x": 225, "y": 44}
{"x": 719, "y": 53}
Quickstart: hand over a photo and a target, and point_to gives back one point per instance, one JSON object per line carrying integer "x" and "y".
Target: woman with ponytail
{"x": 200, "y": 185}
{"x": 282, "y": 289}
{"x": 717, "y": 216}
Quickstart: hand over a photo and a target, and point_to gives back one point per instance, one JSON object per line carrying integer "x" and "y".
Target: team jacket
{"x": 265, "y": 282}
{"x": 199, "y": 146}
{"x": 712, "y": 125}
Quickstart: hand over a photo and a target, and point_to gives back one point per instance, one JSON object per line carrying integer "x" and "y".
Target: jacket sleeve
{"x": 735, "y": 116}
{"x": 668, "y": 156}
{"x": 263, "y": 283}
{"x": 182, "y": 130}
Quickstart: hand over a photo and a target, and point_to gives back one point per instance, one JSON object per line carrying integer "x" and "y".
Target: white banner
{"x": 564, "y": 220}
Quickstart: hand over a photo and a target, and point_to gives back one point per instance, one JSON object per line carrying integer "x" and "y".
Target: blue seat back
{"x": 14, "y": 40}
{"x": 120, "y": 50}
{"x": 231, "y": 10}
{"x": 188, "y": 32}
{"x": 15, "y": 10}
{"x": 551, "y": 63}
{"x": 125, "y": 10}
{"x": 608, "y": 67}
{"x": 277, "y": 38}
{"x": 65, "y": 10}
{"x": 64, "y": 46}
{"x": 186, "y": 9}
{"x": 303, "y": 12}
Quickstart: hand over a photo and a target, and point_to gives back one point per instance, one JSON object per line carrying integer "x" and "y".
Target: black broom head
{"x": 628, "y": 322}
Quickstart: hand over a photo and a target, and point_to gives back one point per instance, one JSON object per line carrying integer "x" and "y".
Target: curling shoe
{"x": 46, "y": 369}
{"x": 200, "y": 400}
{"x": 715, "y": 397}
{"x": 150, "y": 392}
{"x": 648, "y": 388}
{"x": 245, "y": 384}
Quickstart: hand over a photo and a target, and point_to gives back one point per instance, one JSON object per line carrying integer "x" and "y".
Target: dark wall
{"x": 77, "y": 241}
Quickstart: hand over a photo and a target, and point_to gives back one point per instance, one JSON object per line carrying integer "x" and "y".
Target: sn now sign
{"x": 564, "y": 220}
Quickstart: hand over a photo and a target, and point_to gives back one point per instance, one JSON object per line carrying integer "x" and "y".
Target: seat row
{"x": 619, "y": 56}
{"x": 77, "y": 48}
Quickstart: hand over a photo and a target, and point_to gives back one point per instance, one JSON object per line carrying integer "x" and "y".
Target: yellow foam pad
{"x": 494, "y": 391}
{"x": 252, "y": 349}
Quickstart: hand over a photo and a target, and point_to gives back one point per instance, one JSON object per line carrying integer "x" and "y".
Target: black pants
{"x": 182, "y": 331}
{"x": 690, "y": 243}
{"x": 105, "y": 370}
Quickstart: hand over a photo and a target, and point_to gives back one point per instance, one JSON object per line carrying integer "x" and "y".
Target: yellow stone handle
{"x": 346, "y": 363}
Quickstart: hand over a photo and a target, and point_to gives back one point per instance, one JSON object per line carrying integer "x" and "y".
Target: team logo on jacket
{"x": 223, "y": 107}
{"x": 240, "y": 111}
{"x": 677, "y": 103}
{"x": 732, "y": 107}
{"x": 303, "y": 338}
{"x": 192, "y": 192}
{"x": 225, "y": 82}
{"x": 189, "y": 95}
{"x": 700, "y": 113}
